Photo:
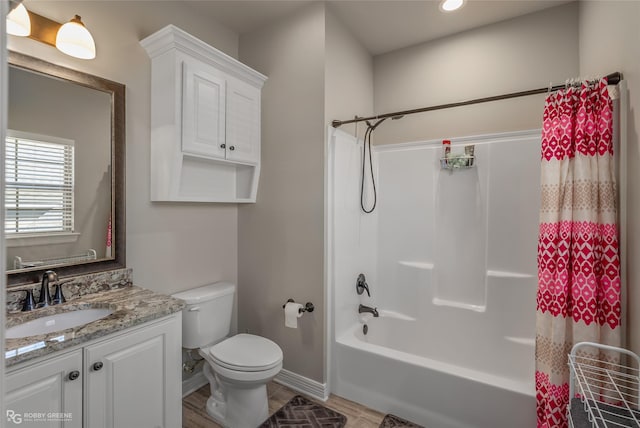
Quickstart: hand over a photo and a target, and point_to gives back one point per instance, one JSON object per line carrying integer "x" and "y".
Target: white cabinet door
{"x": 133, "y": 380}
{"x": 47, "y": 394}
{"x": 243, "y": 122}
{"x": 203, "y": 111}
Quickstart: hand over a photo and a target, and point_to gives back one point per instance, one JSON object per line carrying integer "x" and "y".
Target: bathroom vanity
{"x": 119, "y": 371}
{"x": 121, "y": 368}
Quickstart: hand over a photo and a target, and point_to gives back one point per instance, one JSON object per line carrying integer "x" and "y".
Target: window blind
{"x": 38, "y": 184}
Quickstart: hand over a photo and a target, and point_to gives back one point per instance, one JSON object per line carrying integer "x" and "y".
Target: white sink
{"x": 57, "y": 322}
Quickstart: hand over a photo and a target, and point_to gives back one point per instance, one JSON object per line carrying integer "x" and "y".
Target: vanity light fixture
{"x": 72, "y": 38}
{"x": 18, "y": 22}
{"x": 451, "y": 5}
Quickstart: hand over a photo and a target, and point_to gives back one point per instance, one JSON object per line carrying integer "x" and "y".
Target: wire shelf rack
{"x": 603, "y": 394}
{"x": 457, "y": 162}
{"x": 463, "y": 160}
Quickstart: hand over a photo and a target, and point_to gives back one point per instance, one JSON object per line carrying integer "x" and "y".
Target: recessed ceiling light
{"x": 451, "y": 5}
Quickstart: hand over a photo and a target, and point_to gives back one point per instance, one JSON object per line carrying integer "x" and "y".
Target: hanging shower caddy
{"x": 453, "y": 161}
{"x": 602, "y": 394}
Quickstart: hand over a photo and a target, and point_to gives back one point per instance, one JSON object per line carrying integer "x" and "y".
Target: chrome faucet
{"x": 367, "y": 309}
{"x": 45, "y": 296}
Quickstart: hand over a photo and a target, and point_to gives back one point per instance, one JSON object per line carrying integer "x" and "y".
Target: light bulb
{"x": 18, "y": 22}
{"x": 74, "y": 39}
{"x": 451, "y": 5}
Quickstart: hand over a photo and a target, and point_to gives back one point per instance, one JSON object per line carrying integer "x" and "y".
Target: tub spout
{"x": 367, "y": 309}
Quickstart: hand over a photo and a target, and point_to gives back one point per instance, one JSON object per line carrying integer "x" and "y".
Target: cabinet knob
{"x": 222, "y": 146}
{"x": 74, "y": 375}
{"x": 97, "y": 366}
{"x": 232, "y": 148}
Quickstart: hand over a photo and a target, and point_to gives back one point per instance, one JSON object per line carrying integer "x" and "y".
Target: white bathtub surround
{"x": 450, "y": 259}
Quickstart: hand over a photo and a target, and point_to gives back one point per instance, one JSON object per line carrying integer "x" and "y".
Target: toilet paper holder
{"x": 308, "y": 307}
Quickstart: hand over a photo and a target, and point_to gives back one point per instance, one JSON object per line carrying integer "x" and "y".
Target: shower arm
{"x": 612, "y": 79}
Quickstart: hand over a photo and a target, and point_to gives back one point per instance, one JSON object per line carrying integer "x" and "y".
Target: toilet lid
{"x": 246, "y": 352}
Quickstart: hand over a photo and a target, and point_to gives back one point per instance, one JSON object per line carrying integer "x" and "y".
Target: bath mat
{"x": 300, "y": 412}
{"x": 393, "y": 421}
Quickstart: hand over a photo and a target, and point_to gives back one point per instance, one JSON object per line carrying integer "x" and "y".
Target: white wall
{"x": 170, "y": 247}
{"x": 316, "y": 69}
{"x": 280, "y": 237}
{"x": 348, "y": 75}
{"x": 609, "y": 40}
{"x": 514, "y": 55}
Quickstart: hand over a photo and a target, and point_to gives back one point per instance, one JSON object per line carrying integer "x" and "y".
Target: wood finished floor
{"x": 194, "y": 412}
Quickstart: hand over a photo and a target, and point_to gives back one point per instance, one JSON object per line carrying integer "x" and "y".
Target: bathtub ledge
{"x": 460, "y": 305}
{"x": 506, "y": 274}
{"x": 521, "y": 340}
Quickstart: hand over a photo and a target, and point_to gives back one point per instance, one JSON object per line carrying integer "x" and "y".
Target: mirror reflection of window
{"x": 39, "y": 177}
{"x": 59, "y": 199}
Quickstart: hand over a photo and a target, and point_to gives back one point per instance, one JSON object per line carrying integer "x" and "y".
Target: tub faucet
{"x": 361, "y": 285}
{"x": 366, "y": 309}
{"x": 45, "y": 296}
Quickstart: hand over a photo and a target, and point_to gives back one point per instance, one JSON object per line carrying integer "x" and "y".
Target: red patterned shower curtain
{"x": 578, "y": 295}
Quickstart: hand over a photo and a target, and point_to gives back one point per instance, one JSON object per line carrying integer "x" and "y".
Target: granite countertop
{"x": 131, "y": 305}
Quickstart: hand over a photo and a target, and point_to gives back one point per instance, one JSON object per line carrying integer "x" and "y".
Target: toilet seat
{"x": 246, "y": 353}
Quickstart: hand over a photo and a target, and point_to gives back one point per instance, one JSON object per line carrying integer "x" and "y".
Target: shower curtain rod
{"x": 613, "y": 79}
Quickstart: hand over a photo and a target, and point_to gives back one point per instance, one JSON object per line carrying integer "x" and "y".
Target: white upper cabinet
{"x": 205, "y": 121}
{"x": 203, "y": 112}
{"x": 243, "y": 122}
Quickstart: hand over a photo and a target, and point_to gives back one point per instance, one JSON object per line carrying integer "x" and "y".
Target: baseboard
{"x": 303, "y": 384}
{"x": 289, "y": 379}
{"x": 195, "y": 382}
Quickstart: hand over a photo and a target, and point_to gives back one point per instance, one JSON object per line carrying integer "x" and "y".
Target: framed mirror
{"x": 64, "y": 172}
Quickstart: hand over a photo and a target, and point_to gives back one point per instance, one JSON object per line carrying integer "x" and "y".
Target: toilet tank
{"x": 207, "y": 317}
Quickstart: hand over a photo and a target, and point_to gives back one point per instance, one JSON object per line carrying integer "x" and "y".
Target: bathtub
{"x": 456, "y": 386}
{"x": 450, "y": 260}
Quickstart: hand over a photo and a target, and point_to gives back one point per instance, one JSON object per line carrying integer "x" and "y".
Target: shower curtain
{"x": 578, "y": 295}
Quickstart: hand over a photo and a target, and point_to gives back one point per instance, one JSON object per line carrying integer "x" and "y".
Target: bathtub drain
{"x": 365, "y": 329}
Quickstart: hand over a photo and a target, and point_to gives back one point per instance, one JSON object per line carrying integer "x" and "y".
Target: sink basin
{"x": 57, "y": 322}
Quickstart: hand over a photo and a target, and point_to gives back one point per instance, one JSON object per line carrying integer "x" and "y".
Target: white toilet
{"x": 238, "y": 368}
